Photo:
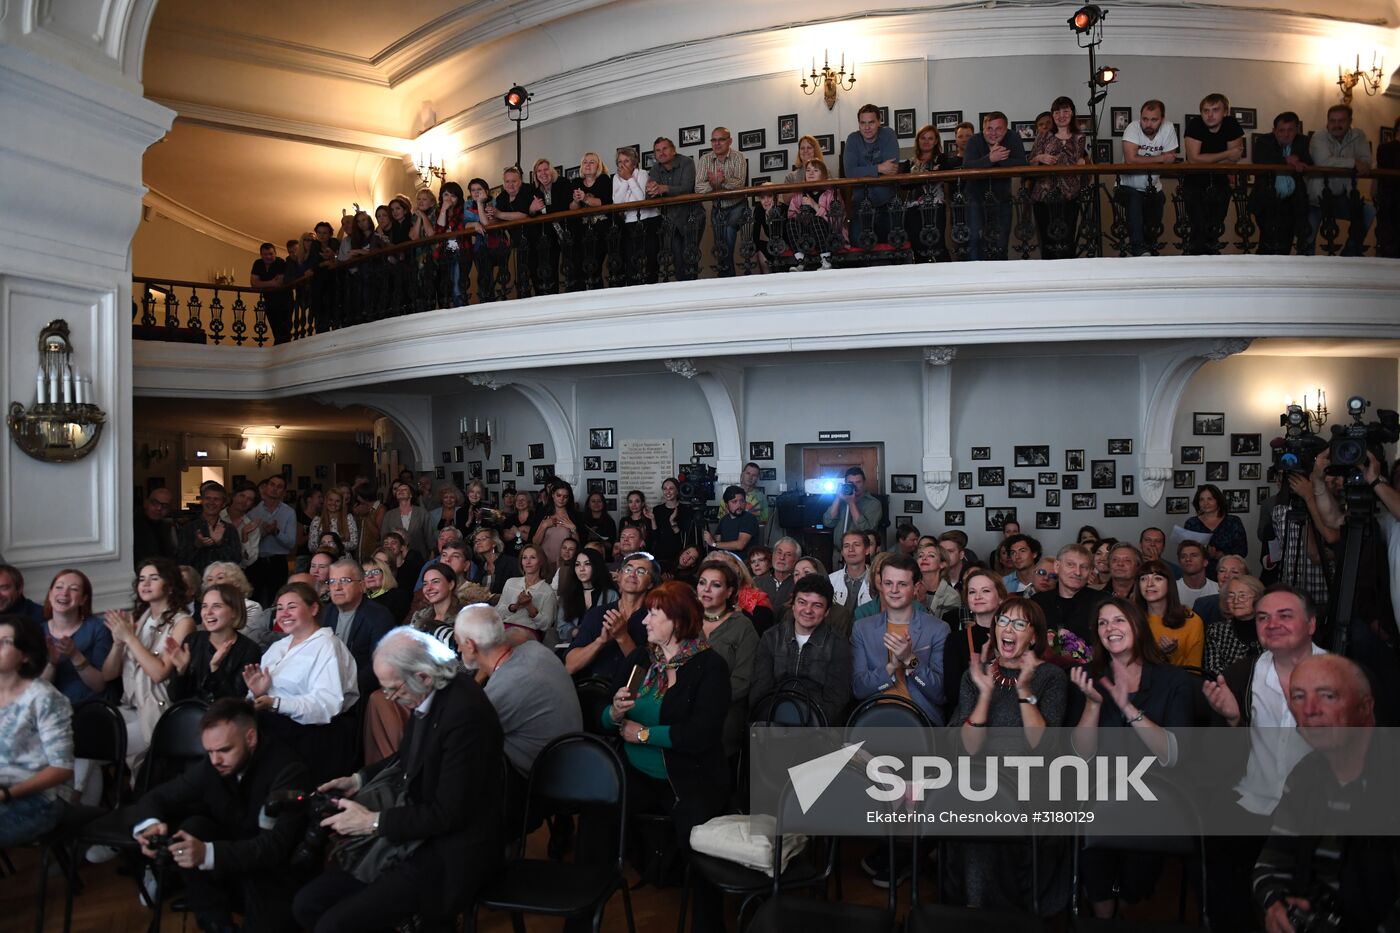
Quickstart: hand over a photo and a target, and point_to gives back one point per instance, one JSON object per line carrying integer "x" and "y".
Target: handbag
{"x": 746, "y": 840}
{"x": 366, "y": 858}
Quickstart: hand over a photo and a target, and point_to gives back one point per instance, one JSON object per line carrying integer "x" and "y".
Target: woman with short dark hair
{"x": 36, "y": 736}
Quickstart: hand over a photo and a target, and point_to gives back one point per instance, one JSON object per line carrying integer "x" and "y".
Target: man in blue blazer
{"x": 900, "y": 649}
{"x": 357, "y": 621}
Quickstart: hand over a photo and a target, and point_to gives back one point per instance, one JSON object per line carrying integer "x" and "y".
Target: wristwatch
{"x": 1031, "y": 700}
{"x": 643, "y": 734}
{"x": 276, "y": 704}
{"x": 912, "y": 663}
{"x": 374, "y": 827}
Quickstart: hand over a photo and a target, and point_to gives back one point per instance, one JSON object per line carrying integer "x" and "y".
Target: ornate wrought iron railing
{"x": 948, "y": 216}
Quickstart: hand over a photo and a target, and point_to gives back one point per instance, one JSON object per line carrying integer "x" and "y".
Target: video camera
{"x": 697, "y": 482}
{"x": 317, "y": 807}
{"x": 1297, "y": 450}
{"x": 1351, "y": 443}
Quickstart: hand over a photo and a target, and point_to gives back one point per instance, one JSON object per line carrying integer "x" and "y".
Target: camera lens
{"x": 1348, "y": 452}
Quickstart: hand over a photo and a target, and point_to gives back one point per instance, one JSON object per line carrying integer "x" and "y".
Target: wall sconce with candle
{"x": 472, "y": 435}
{"x": 1370, "y": 81}
{"x": 264, "y": 451}
{"x": 829, "y": 81}
{"x": 63, "y": 424}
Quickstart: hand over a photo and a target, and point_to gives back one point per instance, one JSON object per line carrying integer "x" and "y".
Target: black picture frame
{"x": 573, "y": 172}
{"x": 596, "y": 484}
{"x": 1047, "y": 521}
{"x": 440, "y": 472}
{"x": 1024, "y": 130}
{"x": 507, "y": 463}
{"x": 1178, "y": 505}
{"x": 458, "y": 453}
{"x": 761, "y": 180}
{"x": 913, "y": 506}
{"x": 1084, "y": 501}
{"x": 884, "y": 114}
{"x": 903, "y": 483}
{"x": 760, "y": 450}
{"x": 954, "y": 519}
{"x": 981, "y": 453}
{"x": 1103, "y": 474}
{"x": 459, "y": 479}
{"x": 752, "y": 139}
{"x": 1386, "y": 135}
{"x": 773, "y": 160}
{"x": 493, "y": 477}
{"x": 1052, "y": 498}
{"x": 648, "y": 160}
{"x": 1103, "y": 152}
{"x": 1251, "y": 471}
{"x": 1237, "y": 501}
{"x": 474, "y": 469}
{"x": 1047, "y": 479}
{"x": 905, "y": 123}
{"x": 974, "y": 501}
{"x": 1183, "y": 479}
{"x": 1074, "y": 461}
{"x": 1246, "y": 445}
{"x": 610, "y": 505}
{"x": 991, "y": 476}
{"x": 1262, "y": 494}
{"x": 767, "y": 474}
{"x": 508, "y": 487}
{"x": 536, "y": 452}
{"x": 1119, "y": 118}
{"x": 1247, "y": 117}
{"x": 541, "y": 472}
{"x": 982, "y": 119}
{"x": 1020, "y": 489}
{"x": 787, "y": 129}
{"x": 1120, "y": 510}
{"x": 612, "y": 487}
{"x": 827, "y": 142}
{"x": 1127, "y": 484}
{"x": 1218, "y": 471}
{"x": 945, "y": 121}
{"x": 690, "y": 136}
{"x": 600, "y": 438}
{"x": 1069, "y": 481}
{"x": 447, "y": 456}
{"x": 1120, "y": 446}
{"x": 592, "y": 464}
{"x": 1084, "y": 123}
{"x": 998, "y": 516}
{"x": 520, "y": 468}
{"x": 702, "y": 153}
{"x": 703, "y": 449}
{"x": 1193, "y": 455}
{"x": 609, "y": 466}
{"x": 965, "y": 480}
{"x": 1208, "y": 423}
{"x": 1031, "y": 455}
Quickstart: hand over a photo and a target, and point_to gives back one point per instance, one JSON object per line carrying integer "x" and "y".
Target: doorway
{"x": 821, "y": 462}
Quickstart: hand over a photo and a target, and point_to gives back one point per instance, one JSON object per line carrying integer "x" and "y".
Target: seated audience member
{"x": 939, "y": 595}
{"x": 876, "y": 603}
{"x": 1227, "y": 533}
{"x": 805, "y": 654}
{"x": 1152, "y": 544}
{"x": 751, "y": 601}
{"x": 777, "y": 581}
{"x": 953, "y": 544}
{"x": 1128, "y": 684}
{"x": 360, "y": 623}
{"x": 723, "y": 169}
{"x": 233, "y": 856}
{"x": 1180, "y": 633}
{"x": 609, "y": 633}
{"x": 588, "y": 586}
{"x": 737, "y": 529}
{"x": 258, "y": 625}
{"x": 925, "y": 213}
{"x": 972, "y": 626}
{"x": 521, "y": 522}
{"x": 1253, "y": 693}
{"x": 404, "y": 561}
{"x": 731, "y": 634}
{"x": 1070, "y": 604}
{"x": 852, "y": 585}
{"x": 1149, "y": 140}
{"x": 907, "y": 541}
{"x": 1055, "y": 198}
{"x": 138, "y": 653}
{"x": 1279, "y": 200}
{"x": 641, "y": 229}
{"x": 153, "y": 532}
{"x": 533, "y": 695}
{"x": 1194, "y": 584}
{"x": 1210, "y": 608}
{"x": 305, "y": 684}
{"x": 1024, "y": 552}
{"x": 1232, "y": 636}
{"x": 432, "y": 802}
{"x": 852, "y": 511}
{"x": 78, "y": 643}
{"x": 36, "y": 737}
{"x": 989, "y": 202}
{"x": 1213, "y": 138}
{"x": 870, "y": 152}
{"x": 760, "y": 561}
{"x": 839, "y": 617}
{"x": 673, "y": 726}
{"x": 528, "y": 606}
{"x": 814, "y": 220}
{"x": 492, "y": 566}
{"x": 320, "y": 571}
{"x": 382, "y": 588}
{"x": 1098, "y": 570}
{"x": 1333, "y": 832}
{"x": 443, "y": 604}
{"x": 1341, "y": 146}
{"x": 207, "y": 537}
{"x": 900, "y": 649}
{"x": 1124, "y": 561}
{"x": 210, "y": 663}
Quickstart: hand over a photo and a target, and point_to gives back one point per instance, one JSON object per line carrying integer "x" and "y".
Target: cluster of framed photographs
{"x": 1103, "y": 475}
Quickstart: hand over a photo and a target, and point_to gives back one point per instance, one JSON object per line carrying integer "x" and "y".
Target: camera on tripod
{"x": 697, "y": 482}
{"x": 317, "y": 807}
{"x": 1300, "y": 443}
{"x": 1352, "y": 442}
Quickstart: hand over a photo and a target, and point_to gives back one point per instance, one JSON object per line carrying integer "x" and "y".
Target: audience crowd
{"x": 410, "y": 652}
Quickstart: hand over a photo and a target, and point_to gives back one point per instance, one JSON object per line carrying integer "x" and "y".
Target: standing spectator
{"x": 409, "y": 519}
{"x": 871, "y": 151}
{"x": 521, "y": 201}
{"x": 856, "y": 510}
{"x": 1056, "y": 197}
{"x": 989, "y": 202}
{"x": 1342, "y": 146}
{"x": 589, "y": 235}
{"x": 1213, "y": 138}
{"x": 925, "y": 214}
{"x": 558, "y": 523}
{"x": 1279, "y": 200}
{"x": 270, "y": 272}
{"x": 674, "y": 521}
{"x": 336, "y": 517}
{"x": 641, "y": 229}
{"x": 1149, "y": 140}
{"x": 724, "y": 169}
{"x": 673, "y": 175}
{"x": 153, "y": 532}
{"x": 36, "y": 737}
{"x": 1227, "y": 534}
{"x": 245, "y": 495}
{"x": 1387, "y": 197}
{"x": 279, "y": 537}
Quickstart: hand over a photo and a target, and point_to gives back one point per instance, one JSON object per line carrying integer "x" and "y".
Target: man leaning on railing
{"x": 1342, "y": 146}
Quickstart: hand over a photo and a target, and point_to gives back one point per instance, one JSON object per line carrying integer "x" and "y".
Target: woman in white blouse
{"x": 528, "y": 603}
{"x": 306, "y": 687}
{"x": 641, "y": 229}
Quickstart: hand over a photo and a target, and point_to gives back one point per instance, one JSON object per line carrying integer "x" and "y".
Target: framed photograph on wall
{"x": 1069, "y": 481}
{"x": 981, "y": 453}
{"x": 690, "y": 135}
{"x": 1084, "y": 123}
{"x": 975, "y": 501}
{"x": 964, "y": 480}
{"x": 612, "y": 487}
{"x": 596, "y": 484}
{"x": 1120, "y": 446}
{"x": 1119, "y": 118}
{"x": 1047, "y": 521}
{"x": 703, "y": 448}
{"x": 1247, "y": 117}
{"x": 904, "y": 124}
{"x": 760, "y": 450}
{"x": 787, "y": 129}
{"x": 1262, "y": 494}
{"x": 1104, "y": 474}
{"x": 474, "y": 469}
{"x": 541, "y": 472}
{"x": 1020, "y": 489}
{"x": 458, "y": 453}
{"x": 1237, "y": 501}
{"x": 946, "y": 121}
{"x": 903, "y": 483}
{"x": 1183, "y": 479}
{"x": 493, "y": 477}
{"x": 991, "y": 476}
{"x": 1052, "y": 497}
{"x": 1178, "y": 505}
{"x": 1082, "y": 501}
{"x": 1035, "y": 455}
{"x": 954, "y": 519}
{"x": 609, "y": 466}
{"x": 600, "y": 438}
{"x": 752, "y": 139}
{"x": 1218, "y": 471}
{"x": 1245, "y": 445}
{"x": 998, "y": 517}
{"x": 913, "y": 506}
{"x": 447, "y": 456}
{"x": 1251, "y": 471}
{"x": 648, "y": 160}
{"x": 507, "y": 463}
{"x": 767, "y": 474}
{"x": 1024, "y": 130}
{"x": 1120, "y": 510}
{"x": 592, "y": 464}
{"x": 774, "y": 160}
{"x": 884, "y": 115}
{"x": 827, "y": 142}
{"x": 1047, "y": 479}
{"x": 520, "y": 468}
{"x": 1103, "y": 152}
{"x": 1127, "y": 484}
{"x": 1193, "y": 455}
{"x": 1074, "y": 461}
{"x": 1208, "y": 423}
{"x": 441, "y": 472}
{"x": 536, "y": 452}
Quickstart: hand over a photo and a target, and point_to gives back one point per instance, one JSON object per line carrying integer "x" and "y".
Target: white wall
{"x": 165, "y": 248}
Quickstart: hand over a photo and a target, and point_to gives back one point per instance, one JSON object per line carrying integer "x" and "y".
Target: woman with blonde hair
{"x": 382, "y": 587}
{"x": 588, "y": 236}
{"x": 337, "y": 518}
{"x": 259, "y": 620}
{"x": 641, "y": 229}
{"x": 924, "y": 204}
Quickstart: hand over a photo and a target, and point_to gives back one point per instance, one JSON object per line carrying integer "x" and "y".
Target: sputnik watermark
{"x": 1116, "y": 778}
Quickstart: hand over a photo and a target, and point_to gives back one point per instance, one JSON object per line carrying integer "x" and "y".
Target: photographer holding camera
{"x": 853, "y": 509}
{"x": 233, "y": 854}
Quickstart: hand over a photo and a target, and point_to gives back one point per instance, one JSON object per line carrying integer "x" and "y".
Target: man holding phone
{"x": 853, "y": 509}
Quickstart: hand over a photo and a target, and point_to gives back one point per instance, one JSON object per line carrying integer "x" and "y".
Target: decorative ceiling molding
{"x": 200, "y": 223}
{"x": 261, "y": 124}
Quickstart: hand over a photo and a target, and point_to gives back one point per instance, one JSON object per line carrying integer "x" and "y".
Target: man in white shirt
{"x": 1342, "y": 146}
{"x": 851, "y": 584}
{"x": 1151, "y": 140}
{"x": 1194, "y": 583}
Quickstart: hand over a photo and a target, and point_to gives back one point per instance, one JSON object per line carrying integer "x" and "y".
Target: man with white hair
{"x": 426, "y": 806}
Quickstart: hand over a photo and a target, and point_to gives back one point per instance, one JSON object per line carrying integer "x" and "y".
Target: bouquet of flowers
{"x": 1067, "y": 649}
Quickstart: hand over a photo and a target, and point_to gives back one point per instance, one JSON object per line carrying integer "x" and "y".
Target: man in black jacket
{"x": 231, "y": 854}
{"x": 357, "y": 621}
{"x": 1279, "y": 202}
{"x": 423, "y": 828}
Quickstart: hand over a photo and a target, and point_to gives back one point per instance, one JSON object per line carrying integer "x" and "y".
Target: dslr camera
{"x": 160, "y": 843}
{"x": 316, "y": 807}
{"x": 1320, "y": 916}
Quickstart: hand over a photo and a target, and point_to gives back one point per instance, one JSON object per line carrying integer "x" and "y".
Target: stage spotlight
{"x": 516, "y": 98}
{"x": 1105, "y": 76}
{"x": 1085, "y": 19}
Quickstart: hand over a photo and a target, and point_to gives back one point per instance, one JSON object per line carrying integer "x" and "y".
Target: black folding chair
{"x": 887, "y": 710}
{"x": 577, "y": 770}
{"x": 788, "y": 706}
{"x": 595, "y": 694}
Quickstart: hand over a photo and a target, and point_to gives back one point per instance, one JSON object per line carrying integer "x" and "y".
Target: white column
{"x": 938, "y": 423}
